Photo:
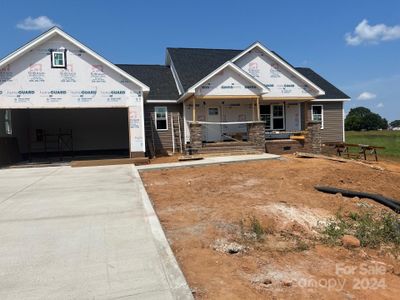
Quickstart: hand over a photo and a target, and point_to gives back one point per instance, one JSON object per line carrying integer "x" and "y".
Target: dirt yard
{"x": 212, "y": 217}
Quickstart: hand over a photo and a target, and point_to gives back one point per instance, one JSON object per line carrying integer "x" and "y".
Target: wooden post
{"x": 258, "y": 108}
{"x": 194, "y": 109}
{"x": 253, "y": 110}
{"x": 305, "y": 115}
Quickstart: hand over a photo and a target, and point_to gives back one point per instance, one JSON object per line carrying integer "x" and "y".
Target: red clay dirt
{"x": 203, "y": 206}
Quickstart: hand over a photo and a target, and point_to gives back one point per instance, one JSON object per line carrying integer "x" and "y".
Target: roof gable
{"x": 279, "y": 80}
{"x": 55, "y": 31}
{"x": 228, "y": 79}
{"x": 279, "y": 65}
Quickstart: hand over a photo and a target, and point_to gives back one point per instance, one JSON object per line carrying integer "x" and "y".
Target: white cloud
{"x": 366, "y": 96}
{"x": 39, "y": 23}
{"x": 367, "y": 34}
{"x": 380, "y": 105}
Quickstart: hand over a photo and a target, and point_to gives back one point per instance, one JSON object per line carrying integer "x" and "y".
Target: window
{"x": 161, "y": 117}
{"x": 213, "y": 111}
{"x": 265, "y": 115}
{"x": 7, "y": 119}
{"x": 273, "y": 115}
{"x": 278, "y": 117}
{"x": 58, "y": 59}
{"x": 317, "y": 114}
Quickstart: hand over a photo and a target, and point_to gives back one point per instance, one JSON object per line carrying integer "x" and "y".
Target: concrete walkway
{"x": 82, "y": 233}
{"x": 209, "y": 161}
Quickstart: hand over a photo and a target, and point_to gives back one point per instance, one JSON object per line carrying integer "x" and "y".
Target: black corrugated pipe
{"x": 391, "y": 203}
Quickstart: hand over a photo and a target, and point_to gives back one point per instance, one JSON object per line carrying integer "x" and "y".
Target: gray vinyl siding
{"x": 162, "y": 140}
{"x": 333, "y": 120}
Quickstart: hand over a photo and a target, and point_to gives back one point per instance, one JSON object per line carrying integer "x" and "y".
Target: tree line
{"x": 361, "y": 118}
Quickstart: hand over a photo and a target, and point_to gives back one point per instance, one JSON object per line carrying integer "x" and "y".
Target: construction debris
{"x": 190, "y": 157}
{"x": 222, "y": 245}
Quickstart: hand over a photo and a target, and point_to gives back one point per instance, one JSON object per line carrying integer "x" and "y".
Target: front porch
{"x": 250, "y": 119}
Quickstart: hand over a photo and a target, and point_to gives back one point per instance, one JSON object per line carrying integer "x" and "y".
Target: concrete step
{"x": 228, "y": 149}
{"x": 227, "y": 144}
{"x": 231, "y": 153}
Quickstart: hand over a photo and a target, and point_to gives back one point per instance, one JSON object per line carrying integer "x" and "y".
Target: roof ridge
{"x": 144, "y": 65}
{"x": 200, "y": 48}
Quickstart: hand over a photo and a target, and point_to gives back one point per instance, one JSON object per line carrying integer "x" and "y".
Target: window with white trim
{"x": 7, "y": 122}
{"x": 58, "y": 59}
{"x": 317, "y": 114}
{"x": 273, "y": 115}
{"x": 161, "y": 117}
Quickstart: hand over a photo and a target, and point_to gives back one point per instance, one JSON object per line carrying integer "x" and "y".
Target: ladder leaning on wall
{"x": 176, "y": 133}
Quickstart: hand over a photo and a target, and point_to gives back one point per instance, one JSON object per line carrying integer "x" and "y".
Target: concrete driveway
{"x": 82, "y": 233}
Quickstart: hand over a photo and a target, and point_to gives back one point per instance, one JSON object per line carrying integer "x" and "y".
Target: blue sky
{"x": 365, "y": 63}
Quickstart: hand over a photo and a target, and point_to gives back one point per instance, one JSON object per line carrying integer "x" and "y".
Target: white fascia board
{"x": 282, "y": 62}
{"x": 229, "y": 64}
{"x": 170, "y": 63}
{"x": 331, "y": 100}
{"x": 57, "y": 31}
{"x": 176, "y": 78}
{"x": 28, "y": 46}
{"x": 184, "y": 97}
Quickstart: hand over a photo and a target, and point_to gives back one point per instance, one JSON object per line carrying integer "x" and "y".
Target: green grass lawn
{"x": 388, "y": 139}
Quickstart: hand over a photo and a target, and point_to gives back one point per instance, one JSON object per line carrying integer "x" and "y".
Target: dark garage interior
{"x": 51, "y": 135}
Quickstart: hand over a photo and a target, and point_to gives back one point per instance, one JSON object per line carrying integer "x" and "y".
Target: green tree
{"x": 395, "y": 123}
{"x": 361, "y": 118}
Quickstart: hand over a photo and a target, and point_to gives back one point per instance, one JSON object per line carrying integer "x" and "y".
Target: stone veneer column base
{"x": 256, "y": 133}
{"x": 196, "y": 135}
{"x": 313, "y": 139}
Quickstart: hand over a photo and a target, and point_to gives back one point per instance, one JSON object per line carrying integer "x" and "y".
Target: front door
{"x": 213, "y": 131}
{"x": 293, "y": 116}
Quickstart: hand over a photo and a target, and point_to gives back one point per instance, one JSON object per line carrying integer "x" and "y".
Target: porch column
{"x": 256, "y": 133}
{"x": 307, "y": 114}
{"x": 258, "y": 109}
{"x": 194, "y": 110}
{"x": 313, "y": 140}
{"x": 196, "y": 135}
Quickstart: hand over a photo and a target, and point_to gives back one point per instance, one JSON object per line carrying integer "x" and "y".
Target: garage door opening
{"x": 54, "y": 135}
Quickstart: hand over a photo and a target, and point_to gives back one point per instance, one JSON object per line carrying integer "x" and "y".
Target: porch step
{"x": 231, "y": 149}
{"x": 211, "y": 154}
{"x": 227, "y": 144}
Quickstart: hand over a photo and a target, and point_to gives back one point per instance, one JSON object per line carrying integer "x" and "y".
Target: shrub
{"x": 372, "y": 229}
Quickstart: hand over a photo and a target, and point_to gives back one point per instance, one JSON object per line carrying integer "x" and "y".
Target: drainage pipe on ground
{"x": 388, "y": 202}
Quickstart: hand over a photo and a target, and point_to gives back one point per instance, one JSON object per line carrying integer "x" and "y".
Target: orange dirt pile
{"x": 202, "y": 207}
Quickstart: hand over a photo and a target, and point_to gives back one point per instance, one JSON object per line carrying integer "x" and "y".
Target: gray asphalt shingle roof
{"x": 193, "y": 64}
{"x": 331, "y": 91}
{"x": 158, "y": 78}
